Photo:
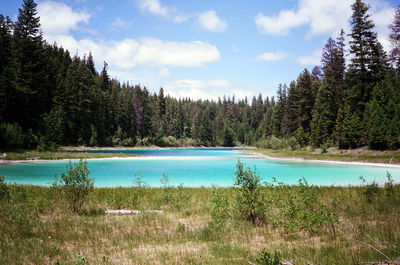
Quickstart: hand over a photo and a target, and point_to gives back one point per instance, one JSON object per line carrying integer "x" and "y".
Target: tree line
{"x": 50, "y": 98}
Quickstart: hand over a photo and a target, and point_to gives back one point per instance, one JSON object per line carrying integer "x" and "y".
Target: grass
{"x": 351, "y": 155}
{"x": 183, "y": 234}
{"x": 60, "y": 154}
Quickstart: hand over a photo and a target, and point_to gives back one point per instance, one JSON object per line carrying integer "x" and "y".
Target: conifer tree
{"x": 330, "y": 93}
{"x": 293, "y": 109}
{"x": 394, "y": 38}
{"x": 7, "y": 71}
{"x": 30, "y": 101}
{"x": 306, "y": 99}
{"x": 367, "y": 58}
{"x": 161, "y": 103}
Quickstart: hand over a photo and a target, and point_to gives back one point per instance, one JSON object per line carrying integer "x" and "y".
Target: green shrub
{"x": 249, "y": 200}
{"x": 140, "y": 191}
{"x": 371, "y": 190}
{"x": 11, "y": 135}
{"x": 81, "y": 260}
{"x": 115, "y": 199}
{"x": 219, "y": 209}
{"x": 17, "y": 211}
{"x": 275, "y": 143}
{"x": 4, "y": 191}
{"x": 265, "y": 258}
{"x": 76, "y": 184}
{"x": 168, "y": 195}
{"x": 180, "y": 198}
{"x": 299, "y": 209}
{"x": 389, "y": 188}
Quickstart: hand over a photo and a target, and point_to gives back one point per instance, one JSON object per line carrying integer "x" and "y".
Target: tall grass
{"x": 37, "y": 227}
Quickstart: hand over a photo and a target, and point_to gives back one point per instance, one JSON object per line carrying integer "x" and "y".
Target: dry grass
{"x": 183, "y": 235}
{"x": 351, "y": 155}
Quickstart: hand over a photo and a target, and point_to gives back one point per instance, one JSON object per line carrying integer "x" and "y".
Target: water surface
{"x": 196, "y": 167}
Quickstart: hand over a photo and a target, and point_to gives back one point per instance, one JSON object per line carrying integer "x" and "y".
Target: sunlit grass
{"x": 62, "y": 154}
{"x": 356, "y": 155}
{"x": 182, "y": 234}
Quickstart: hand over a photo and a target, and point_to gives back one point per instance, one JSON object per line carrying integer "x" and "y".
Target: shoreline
{"x": 257, "y": 156}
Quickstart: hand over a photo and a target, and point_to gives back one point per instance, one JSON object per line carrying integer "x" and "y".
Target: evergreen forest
{"x": 49, "y": 97}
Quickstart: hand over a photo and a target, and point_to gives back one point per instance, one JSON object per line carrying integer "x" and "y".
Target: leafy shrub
{"x": 41, "y": 203}
{"x": 17, "y": 211}
{"x": 76, "y": 184}
{"x": 275, "y": 143}
{"x": 167, "y": 196}
{"x": 371, "y": 190}
{"x": 219, "y": 209}
{"x": 4, "y": 191}
{"x": 116, "y": 199}
{"x": 180, "y": 197}
{"x": 169, "y": 141}
{"x": 389, "y": 188}
{"x": 140, "y": 192}
{"x": 249, "y": 200}
{"x": 81, "y": 260}
{"x": 143, "y": 141}
{"x": 299, "y": 209}
{"x": 11, "y": 135}
{"x": 265, "y": 258}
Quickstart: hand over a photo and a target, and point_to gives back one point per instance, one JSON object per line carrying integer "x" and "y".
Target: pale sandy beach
{"x": 256, "y": 156}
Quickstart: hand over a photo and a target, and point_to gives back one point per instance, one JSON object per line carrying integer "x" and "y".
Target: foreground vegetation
{"x": 251, "y": 222}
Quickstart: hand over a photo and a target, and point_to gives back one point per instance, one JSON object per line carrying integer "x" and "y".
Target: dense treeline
{"x": 49, "y": 97}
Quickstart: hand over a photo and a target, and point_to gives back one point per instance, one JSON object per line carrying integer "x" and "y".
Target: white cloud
{"x": 180, "y": 18}
{"x": 312, "y": 59}
{"x": 155, "y": 8}
{"x": 150, "y": 52}
{"x": 119, "y": 23}
{"x": 279, "y": 25}
{"x": 271, "y": 56}
{"x": 212, "y": 89}
{"x": 59, "y": 19}
{"x": 219, "y": 83}
{"x": 322, "y": 17}
{"x": 211, "y": 22}
{"x": 163, "y": 72}
{"x": 382, "y": 16}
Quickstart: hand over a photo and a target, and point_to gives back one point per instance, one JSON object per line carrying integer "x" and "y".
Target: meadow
{"x": 300, "y": 224}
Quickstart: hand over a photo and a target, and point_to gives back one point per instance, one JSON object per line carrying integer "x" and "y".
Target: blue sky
{"x": 201, "y": 49}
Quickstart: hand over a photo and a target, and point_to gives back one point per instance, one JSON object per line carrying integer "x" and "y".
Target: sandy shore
{"x": 256, "y": 156}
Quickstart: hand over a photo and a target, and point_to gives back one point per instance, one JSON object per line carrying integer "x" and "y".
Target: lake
{"x": 195, "y": 168}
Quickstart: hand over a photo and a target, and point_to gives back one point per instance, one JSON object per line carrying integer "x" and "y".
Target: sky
{"x": 202, "y": 49}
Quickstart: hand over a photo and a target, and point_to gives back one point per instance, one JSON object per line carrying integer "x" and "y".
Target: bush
{"x": 169, "y": 141}
{"x": 4, "y": 191}
{"x": 371, "y": 190}
{"x": 299, "y": 209}
{"x": 143, "y": 141}
{"x": 76, "y": 184}
{"x": 219, "y": 209}
{"x": 11, "y": 135}
{"x": 17, "y": 211}
{"x": 275, "y": 143}
{"x": 389, "y": 188}
{"x": 265, "y": 258}
{"x": 167, "y": 196}
{"x": 140, "y": 191}
{"x": 249, "y": 201}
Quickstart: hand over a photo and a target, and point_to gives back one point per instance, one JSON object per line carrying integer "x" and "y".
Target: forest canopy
{"x": 50, "y": 98}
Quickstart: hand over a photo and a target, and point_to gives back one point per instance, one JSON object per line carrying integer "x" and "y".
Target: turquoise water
{"x": 197, "y": 167}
